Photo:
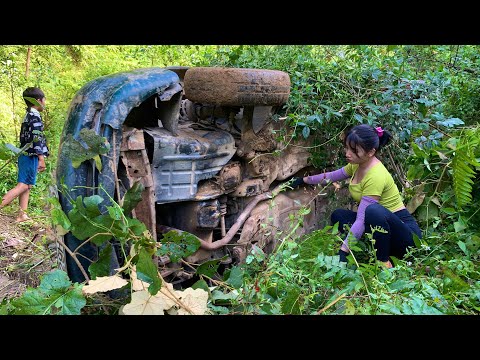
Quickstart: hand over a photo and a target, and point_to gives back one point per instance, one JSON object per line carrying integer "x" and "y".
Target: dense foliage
{"x": 427, "y": 96}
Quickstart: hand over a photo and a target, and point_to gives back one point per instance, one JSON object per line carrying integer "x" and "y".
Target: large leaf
{"x": 91, "y": 205}
{"x": 84, "y": 228}
{"x": 194, "y": 302}
{"x": 8, "y": 151}
{"x": 90, "y": 147}
{"x": 291, "y": 302}
{"x": 416, "y": 201}
{"x": 463, "y": 176}
{"x": 55, "y": 295}
{"x": 104, "y": 283}
{"x": 143, "y": 303}
{"x": 33, "y": 101}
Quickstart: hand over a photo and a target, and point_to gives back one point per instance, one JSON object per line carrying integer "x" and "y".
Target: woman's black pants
{"x": 400, "y": 227}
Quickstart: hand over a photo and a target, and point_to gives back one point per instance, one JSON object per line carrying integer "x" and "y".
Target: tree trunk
{"x": 27, "y": 64}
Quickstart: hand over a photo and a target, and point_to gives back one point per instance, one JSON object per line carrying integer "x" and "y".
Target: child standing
{"x": 32, "y": 159}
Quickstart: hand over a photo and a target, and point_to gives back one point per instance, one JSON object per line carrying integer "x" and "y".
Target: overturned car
{"x": 205, "y": 144}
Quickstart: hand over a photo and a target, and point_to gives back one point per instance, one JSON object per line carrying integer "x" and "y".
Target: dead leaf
{"x": 14, "y": 242}
{"x": 436, "y": 201}
{"x": 417, "y": 199}
{"x": 194, "y": 301}
{"x": 441, "y": 155}
{"x": 137, "y": 285}
{"x": 104, "y": 283}
{"x": 60, "y": 230}
{"x": 415, "y": 202}
{"x": 145, "y": 304}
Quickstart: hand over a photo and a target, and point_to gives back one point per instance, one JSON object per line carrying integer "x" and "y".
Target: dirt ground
{"x": 27, "y": 251}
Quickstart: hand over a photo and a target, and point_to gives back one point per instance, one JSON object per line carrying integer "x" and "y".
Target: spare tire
{"x": 236, "y": 87}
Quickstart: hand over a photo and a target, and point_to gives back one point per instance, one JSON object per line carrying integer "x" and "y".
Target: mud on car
{"x": 205, "y": 145}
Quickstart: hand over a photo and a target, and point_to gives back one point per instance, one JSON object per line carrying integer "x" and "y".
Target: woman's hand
{"x": 296, "y": 182}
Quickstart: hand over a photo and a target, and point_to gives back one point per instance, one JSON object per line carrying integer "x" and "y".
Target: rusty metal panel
{"x": 181, "y": 162}
{"x": 138, "y": 169}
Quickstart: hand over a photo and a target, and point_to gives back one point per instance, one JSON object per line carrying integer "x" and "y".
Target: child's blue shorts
{"x": 27, "y": 169}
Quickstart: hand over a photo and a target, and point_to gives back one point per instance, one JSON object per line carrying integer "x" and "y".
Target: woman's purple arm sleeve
{"x": 323, "y": 178}
{"x": 358, "y": 227}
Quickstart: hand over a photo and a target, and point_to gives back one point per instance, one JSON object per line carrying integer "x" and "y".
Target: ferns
{"x": 463, "y": 166}
{"x": 446, "y": 172}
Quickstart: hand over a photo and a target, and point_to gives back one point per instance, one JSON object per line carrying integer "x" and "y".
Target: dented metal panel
{"x": 180, "y": 162}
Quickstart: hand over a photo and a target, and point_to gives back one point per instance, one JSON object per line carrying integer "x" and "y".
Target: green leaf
{"x": 201, "y": 284}
{"x": 459, "y": 225}
{"x": 306, "y": 132}
{"x": 236, "y": 277}
{"x": 208, "y": 268}
{"x": 462, "y": 246}
{"x": 415, "y": 172}
{"x": 98, "y": 162}
{"x": 83, "y": 229}
{"x": 132, "y": 197}
{"x": 72, "y": 302}
{"x": 402, "y": 284}
{"x": 136, "y": 226}
{"x": 61, "y": 219}
{"x": 8, "y": 151}
{"x": 219, "y": 298}
{"x": 4, "y": 309}
{"x": 220, "y": 310}
{"x": 451, "y": 122}
{"x": 147, "y": 271}
{"x": 427, "y": 211}
{"x": 349, "y": 308}
{"x": 101, "y": 267}
{"x": 79, "y": 205}
{"x": 449, "y": 211}
{"x": 115, "y": 212}
{"x": 391, "y": 47}
{"x": 257, "y": 253}
{"x": 473, "y": 243}
{"x": 102, "y": 229}
{"x": 422, "y": 109}
{"x": 91, "y": 146}
{"x": 291, "y": 302}
{"x": 417, "y": 240}
{"x": 33, "y": 101}
{"x": 91, "y": 205}
{"x": 177, "y": 245}
{"x": 55, "y": 295}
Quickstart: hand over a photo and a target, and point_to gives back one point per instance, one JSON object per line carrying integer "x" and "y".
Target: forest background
{"x": 427, "y": 96}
